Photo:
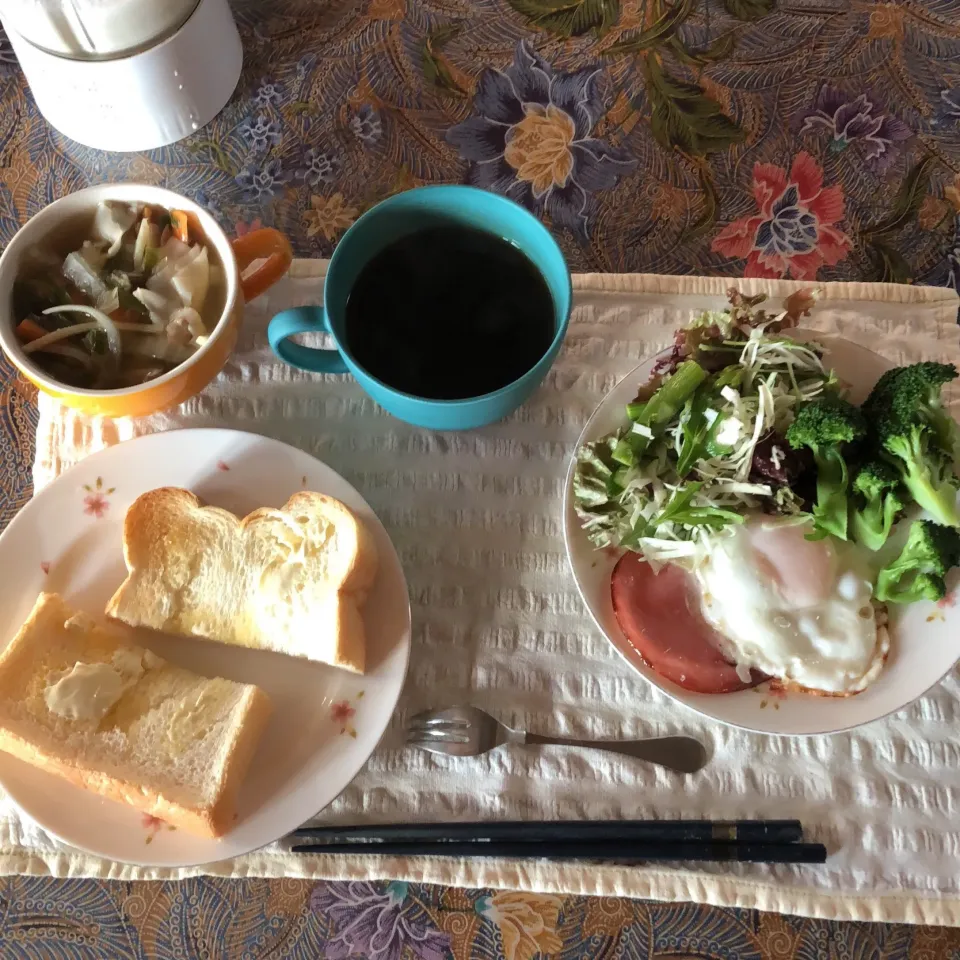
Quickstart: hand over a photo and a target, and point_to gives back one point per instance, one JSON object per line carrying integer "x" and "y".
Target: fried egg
{"x": 795, "y": 609}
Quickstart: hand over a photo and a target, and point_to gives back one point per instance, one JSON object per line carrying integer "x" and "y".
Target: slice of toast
{"x": 290, "y": 580}
{"x": 78, "y": 699}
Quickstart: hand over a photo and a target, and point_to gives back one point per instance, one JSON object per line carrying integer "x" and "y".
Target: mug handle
{"x": 265, "y": 244}
{"x": 303, "y": 320}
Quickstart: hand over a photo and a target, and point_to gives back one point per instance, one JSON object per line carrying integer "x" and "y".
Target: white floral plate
{"x": 326, "y": 722}
{"x": 925, "y": 636}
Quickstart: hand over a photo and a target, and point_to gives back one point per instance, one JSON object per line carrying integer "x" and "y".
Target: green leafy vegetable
{"x": 668, "y": 401}
{"x": 680, "y": 467}
{"x": 826, "y": 426}
{"x": 920, "y": 570}
{"x": 877, "y": 500}
{"x": 912, "y": 431}
{"x": 681, "y": 509}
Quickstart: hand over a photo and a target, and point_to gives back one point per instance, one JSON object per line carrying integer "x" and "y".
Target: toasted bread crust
{"x": 214, "y": 821}
{"x": 201, "y": 571}
{"x": 210, "y": 820}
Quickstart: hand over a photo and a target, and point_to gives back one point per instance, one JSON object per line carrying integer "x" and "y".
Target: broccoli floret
{"x": 924, "y": 467}
{"x": 913, "y": 394}
{"x": 920, "y": 570}
{"x": 910, "y": 429}
{"x": 876, "y": 501}
{"x": 825, "y": 426}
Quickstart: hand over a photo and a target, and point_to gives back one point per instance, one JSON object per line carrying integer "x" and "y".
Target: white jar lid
{"x": 95, "y": 29}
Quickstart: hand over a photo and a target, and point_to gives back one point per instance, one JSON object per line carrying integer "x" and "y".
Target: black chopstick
{"x": 617, "y": 851}
{"x": 744, "y": 831}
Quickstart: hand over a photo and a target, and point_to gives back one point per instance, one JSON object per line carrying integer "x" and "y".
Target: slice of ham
{"x": 660, "y": 615}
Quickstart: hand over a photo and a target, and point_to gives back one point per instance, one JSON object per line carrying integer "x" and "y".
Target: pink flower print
{"x": 95, "y": 505}
{"x": 341, "y": 713}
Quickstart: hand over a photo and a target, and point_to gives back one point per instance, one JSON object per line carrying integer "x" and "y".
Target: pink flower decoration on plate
{"x": 95, "y": 505}
{"x": 794, "y": 233}
{"x": 342, "y": 713}
{"x": 223, "y": 466}
{"x": 45, "y": 566}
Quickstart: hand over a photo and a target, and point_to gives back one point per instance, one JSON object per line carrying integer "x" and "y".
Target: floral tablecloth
{"x": 812, "y": 139}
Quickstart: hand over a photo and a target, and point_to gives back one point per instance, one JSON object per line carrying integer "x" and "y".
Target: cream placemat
{"x": 477, "y": 520}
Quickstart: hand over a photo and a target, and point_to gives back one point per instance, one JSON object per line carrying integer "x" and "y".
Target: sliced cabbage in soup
{"x": 138, "y": 296}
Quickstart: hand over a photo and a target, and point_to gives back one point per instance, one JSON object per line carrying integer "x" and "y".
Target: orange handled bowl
{"x": 251, "y": 264}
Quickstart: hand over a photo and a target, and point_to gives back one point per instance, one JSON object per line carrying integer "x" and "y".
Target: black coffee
{"x": 448, "y": 313}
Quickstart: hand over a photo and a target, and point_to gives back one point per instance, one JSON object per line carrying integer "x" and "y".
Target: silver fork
{"x": 468, "y": 731}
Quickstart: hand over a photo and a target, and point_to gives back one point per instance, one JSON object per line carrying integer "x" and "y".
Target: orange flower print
{"x": 538, "y": 147}
{"x": 527, "y": 922}
{"x": 536, "y": 136}
{"x": 329, "y": 216}
{"x": 95, "y": 503}
{"x": 794, "y": 232}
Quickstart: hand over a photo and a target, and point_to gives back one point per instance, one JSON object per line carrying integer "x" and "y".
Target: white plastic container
{"x": 96, "y": 29}
{"x": 93, "y": 89}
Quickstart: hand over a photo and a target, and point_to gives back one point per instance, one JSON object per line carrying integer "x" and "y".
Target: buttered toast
{"x": 78, "y": 699}
{"x": 291, "y": 580}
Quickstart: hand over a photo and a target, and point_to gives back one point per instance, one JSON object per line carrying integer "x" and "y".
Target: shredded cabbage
{"x": 647, "y": 506}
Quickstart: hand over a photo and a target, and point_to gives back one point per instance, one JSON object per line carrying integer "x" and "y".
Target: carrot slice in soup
{"x": 29, "y": 330}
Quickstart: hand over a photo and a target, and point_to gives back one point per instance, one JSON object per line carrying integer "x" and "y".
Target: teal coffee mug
{"x": 385, "y": 224}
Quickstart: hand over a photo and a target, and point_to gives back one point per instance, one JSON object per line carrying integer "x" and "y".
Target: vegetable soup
{"x": 127, "y": 300}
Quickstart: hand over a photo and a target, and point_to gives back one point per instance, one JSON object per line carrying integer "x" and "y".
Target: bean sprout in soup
{"x": 136, "y": 294}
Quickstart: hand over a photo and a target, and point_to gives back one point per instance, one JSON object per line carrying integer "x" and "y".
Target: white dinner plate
{"x": 326, "y": 722}
{"x": 925, "y": 637}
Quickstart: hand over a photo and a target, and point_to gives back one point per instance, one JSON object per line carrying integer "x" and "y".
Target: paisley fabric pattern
{"x": 815, "y": 140}
{"x": 302, "y": 920}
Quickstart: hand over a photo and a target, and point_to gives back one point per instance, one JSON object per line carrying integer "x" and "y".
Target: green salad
{"x": 740, "y": 419}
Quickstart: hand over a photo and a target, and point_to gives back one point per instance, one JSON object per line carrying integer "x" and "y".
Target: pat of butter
{"x": 90, "y": 690}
